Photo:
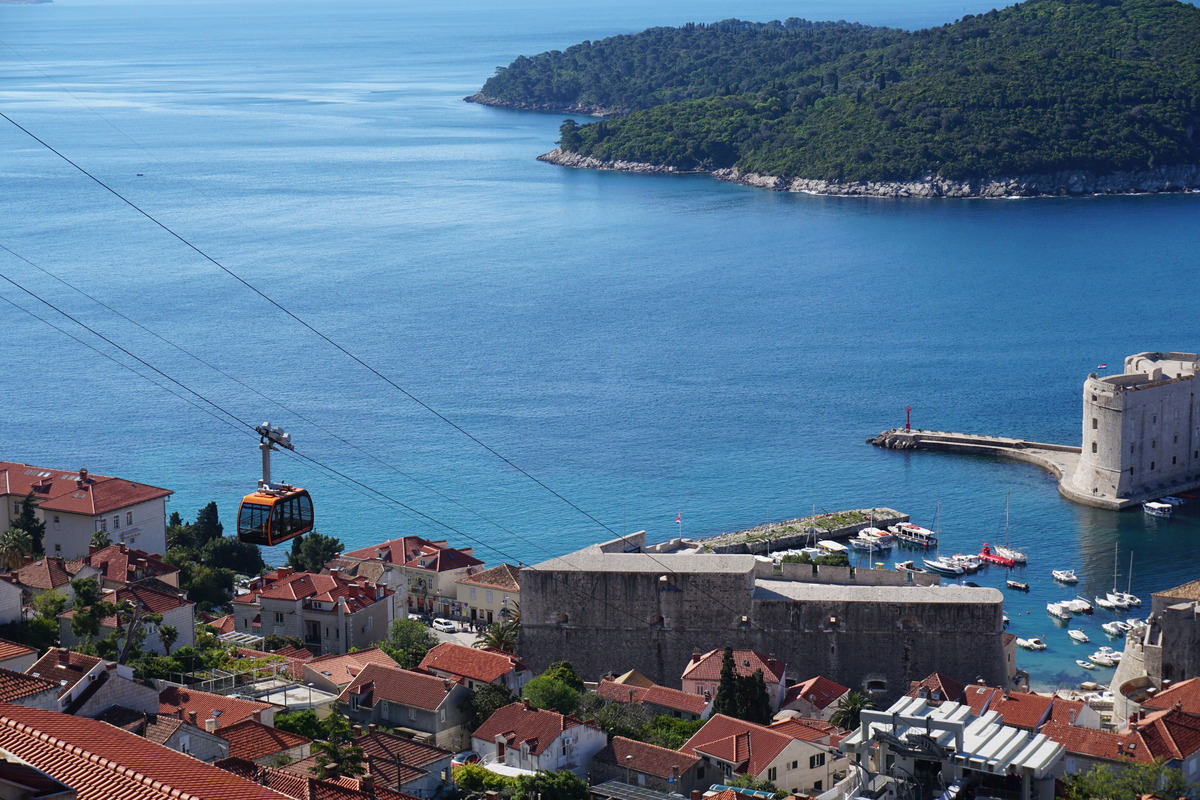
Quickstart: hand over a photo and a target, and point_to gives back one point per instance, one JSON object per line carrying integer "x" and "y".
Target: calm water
{"x": 644, "y": 345}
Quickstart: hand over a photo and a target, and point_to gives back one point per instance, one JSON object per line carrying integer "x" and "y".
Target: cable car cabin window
{"x": 253, "y": 523}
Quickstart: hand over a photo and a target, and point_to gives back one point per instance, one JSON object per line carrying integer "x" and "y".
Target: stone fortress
{"x": 623, "y": 605}
{"x": 1141, "y": 436}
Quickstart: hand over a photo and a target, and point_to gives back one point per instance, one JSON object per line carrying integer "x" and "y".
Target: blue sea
{"x": 642, "y": 346}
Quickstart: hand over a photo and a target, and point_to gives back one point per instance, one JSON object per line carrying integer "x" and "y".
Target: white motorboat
{"x": 1158, "y": 509}
{"x": 875, "y": 534}
{"x": 1006, "y": 620}
{"x": 1078, "y": 636}
{"x": 909, "y": 566}
{"x": 1113, "y": 629}
{"x": 1102, "y": 660}
{"x": 1085, "y": 664}
{"x": 1104, "y": 602}
{"x": 1031, "y": 644}
{"x": 869, "y": 545}
{"x": 1020, "y": 586}
{"x": 1115, "y": 655}
{"x": 830, "y": 546}
{"x": 943, "y": 565}
{"x": 1118, "y": 600}
{"x": 1172, "y": 501}
{"x": 1058, "y": 610}
{"x": 915, "y": 535}
{"x": 1064, "y": 575}
{"x": 968, "y": 563}
{"x": 1129, "y": 600}
{"x": 1133, "y": 622}
{"x": 1078, "y": 606}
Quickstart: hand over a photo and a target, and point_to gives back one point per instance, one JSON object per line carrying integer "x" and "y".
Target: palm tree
{"x": 100, "y": 540}
{"x": 499, "y": 636}
{"x": 849, "y": 710}
{"x": 15, "y": 544}
{"x": 168, "y": 634}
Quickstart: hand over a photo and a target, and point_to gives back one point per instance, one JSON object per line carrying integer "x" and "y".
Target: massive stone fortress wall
{"x": 1141, "y": 428}
{"x": 615, "y": 611}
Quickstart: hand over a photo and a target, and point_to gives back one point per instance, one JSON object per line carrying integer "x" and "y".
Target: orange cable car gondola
{"x": 275, "y": 512}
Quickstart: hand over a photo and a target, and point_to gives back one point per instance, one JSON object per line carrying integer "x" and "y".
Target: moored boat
{"x": 1064, "y": 575}
{"x": 1113, "y": 629}
{"x": 1011, "y": 553}
{"x": 943, "y": 565}
{"x": 1102, "y": 660}
{"x": 1078, "y": 636}
{"x": 1079, "y": 606}
{"x": 1058, "y": 610}
{"x": 988, "y": 555}
{"x": 909, "y": 566}
{"x": 1085, "y": 664}
{"x": 1104, "y": 602}
{"x": 830, "y": 546}
{"x": 1031, "y": 644}
{"x": 1158, "y": 509}
{"x": 1172, "y": 501}
{"x": 914, "y": 535}
{"x": 1018, "y": 585}
{"x": 968, "y": 563}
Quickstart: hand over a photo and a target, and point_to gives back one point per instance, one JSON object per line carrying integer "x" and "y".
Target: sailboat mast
{"x": 1129, "y": 577}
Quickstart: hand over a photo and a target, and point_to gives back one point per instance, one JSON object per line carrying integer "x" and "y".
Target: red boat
{"x": 987, "y": 555}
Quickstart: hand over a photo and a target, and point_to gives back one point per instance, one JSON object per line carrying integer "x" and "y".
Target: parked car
{"x": 465, "y": 757}
{"x": 444, "y": 625}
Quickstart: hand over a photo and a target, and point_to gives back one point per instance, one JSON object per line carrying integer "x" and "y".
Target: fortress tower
{"x": 1141, "y": 429}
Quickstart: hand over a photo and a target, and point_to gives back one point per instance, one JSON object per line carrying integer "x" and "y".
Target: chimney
{"x": 192, "y": 717}
{"x": 335, "y": 573}
{"x": 330, "y": 771}
{"x": 695, "y": 794}
{"x": 525, "y": 700}
{"x": 83, "y": 477}
{"x": 357, "y": 729}
{"x": 367, "y": 784}
{"x": 1071, "y": 718}
{"x": 492, "y": 795}
{"x": 210, "y": 724}
{"x": 64, "y": 657}
{"x": 372, "y": 727}
{"x": 283, "y": 572}
{"x": 446, "y": 682}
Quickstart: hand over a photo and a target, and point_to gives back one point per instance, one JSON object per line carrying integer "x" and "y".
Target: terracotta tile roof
{"x": 284, "y": 584}
{"x": 161, "y": 729}
{"x": 105, "y": 763}
{"x": 517, "y": 724}
{"x": 1118, "y": 747}
{"x": 820, "y": 692}
{"x": 224, "y": 624}
{"x": 252, "y": 740}
{"x": 373, "y": 571}
{"x": 945, "y": 687}
{"x": 119, "y": 562}
{"x": 17, "y": 686}
{"x": 342, "y": 668}
{"x": 298, "y": 653}
{"x": 1188, "y": 591}
{"x": 45, "y": 573}
{"x": 226, "y": 710}
{"x": 646, "y": 758}
{"x": 749, "y": 747}
{"x": 1019, "y": 709}
{"x": 1185, "y": 693}
{"x": 505, "y": 577}
{"x": 654, "y": 695}
{"x": 389, "y": 773}
{"x": 400, "y": 686}
{"x": 1169, "y": 734}
{"x": 26, "y": 777}
{"x": 485, "y": 666}
{"x": 57, "y": 490}
{"x": 59, "y": 664}
{"x": 144, "y": 595}
{"x": 394, "y": 760}
{"x": 303, "y": 786}
{"x": 10, "y": 650}
{"x": 707, "y": 667}
{"x": 417, "y": 553}
{"x": 1062, "y": 710}
{"x": 806, "y": 730}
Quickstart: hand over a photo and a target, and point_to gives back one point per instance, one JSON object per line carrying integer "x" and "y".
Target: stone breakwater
{"x": 575, "y": 108}
{"x": 1059, "y": 184}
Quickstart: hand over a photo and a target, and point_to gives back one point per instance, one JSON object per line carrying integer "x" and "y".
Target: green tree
{"x": 407, "y": 642}
{"x": 565, "y": 672}
{"x": 313, "y": 550}
{"x": 86, "y": 591}
{"x": 614, "y": 717}
{"x": 559, "y": 785}
{"x": 1129, "y": 780}
{"x": 275, "y": 642}
{"x": 27, "y": 521}
{"x": 475, "y": 780}
{"x": 168, "y": 635}
{"x": 305, "y": 723}
{"x": 207, "y": 525}
{"x": 100, "y": 540}
{"x": 15, "y": 545}
{"x": 750, "y": 782}
{"x": 726, "y": 701}
{"x": 671, "y": 732}
{"x": 551, "y": 693}
{"x": 483, "y": 701}
{"x": 231, "y": 554}
{"x": 753, "y": 700}
{"x": 500, "y": 636}
{"x": 49, "y": 604}
{"x": 174, "y": 519}
{"x": 849, "y": 710}
{"x": 338, "y": 748}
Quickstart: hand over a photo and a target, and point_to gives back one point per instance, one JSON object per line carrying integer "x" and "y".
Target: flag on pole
{"x": 1102, "y": 366}
{"x": 679, "y": 518}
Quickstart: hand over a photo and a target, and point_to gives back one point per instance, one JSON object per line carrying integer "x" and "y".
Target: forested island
{"x": 1046, "y": 97}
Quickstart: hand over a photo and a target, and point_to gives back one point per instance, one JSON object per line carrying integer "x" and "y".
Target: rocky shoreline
{"x": 482, "y": 99}
{"x": 1069, "y": 183}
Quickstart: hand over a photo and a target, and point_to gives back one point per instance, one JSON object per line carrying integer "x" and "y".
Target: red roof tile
{"x": 400, "y": 686}
{"x": 394, "y": 760}
{"x": 417, "y": 553}
{"x": 505, "y": 577}
{"x": 224, "y": 624}
{"x": 1066, "y": 711}
{"x": 342, "y": 668}
{"x": 45, "y": 573}
{"x": 17, "y": 685}
{"x": 1118, "y": 747}
{"x": 57, "y": 490}
{"x": 806, "y": 730}
{"x": 749, "y": 747}
{"x": 105, "y": 763}
{"x": 1185, "y": 693}
{"x": 654, "y": 695}
{"x": 518, "y": 723}
{"x": 284, "y": 584}
{"x": 226, "y": 710}
{"x": 1019, "y": 709}
{"x": 59, "y": 664}
{"x": 1169, "y": 734}
{"x": 252, "y": 740}
{"x": 485, "y": 666}
{"x": 303, "y": 786}
{"x": 936, "y": 688}
{"x": 820, "y": 692}
{"x": 746, "y": 662}
{"x": 10, "y": 650}
{"x": 646, "y": 758}
{"x": 119, "y": 562}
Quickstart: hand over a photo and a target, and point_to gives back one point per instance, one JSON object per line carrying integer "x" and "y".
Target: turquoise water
{"x": 646, "y": 346}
